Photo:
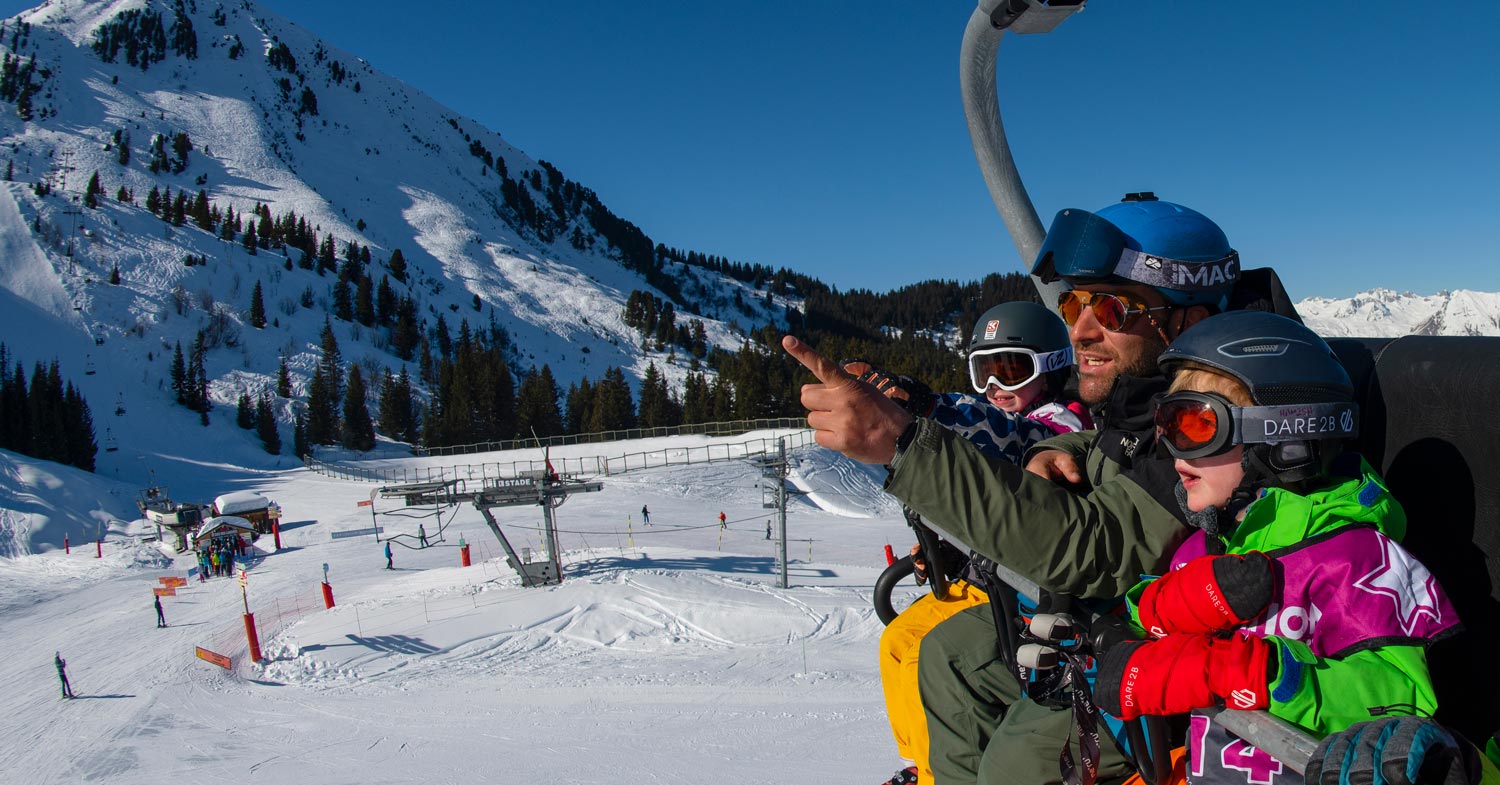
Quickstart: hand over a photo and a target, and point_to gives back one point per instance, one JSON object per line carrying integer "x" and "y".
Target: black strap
{"x": 1085, "y": 722}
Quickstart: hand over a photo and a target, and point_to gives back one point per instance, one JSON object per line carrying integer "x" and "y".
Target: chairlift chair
{"x": 110, "y": 445}
{"x": 88, "y": 365}
{"x": 120, "y": 404}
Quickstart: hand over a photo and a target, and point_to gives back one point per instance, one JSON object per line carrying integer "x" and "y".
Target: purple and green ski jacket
{"x": 1351, "y": 616}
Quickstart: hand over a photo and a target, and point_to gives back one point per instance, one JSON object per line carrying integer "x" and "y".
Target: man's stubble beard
{"x": 1094, "y": 390}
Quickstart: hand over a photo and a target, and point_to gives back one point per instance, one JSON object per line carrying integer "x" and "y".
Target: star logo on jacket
{"x": 1407, "y": 583}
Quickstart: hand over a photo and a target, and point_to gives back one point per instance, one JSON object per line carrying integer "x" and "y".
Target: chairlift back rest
{"x": 1430, "y": 426}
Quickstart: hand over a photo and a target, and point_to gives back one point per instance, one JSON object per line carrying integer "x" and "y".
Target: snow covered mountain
{"x": 231, "y": 108}
{"x": 1382, "y": 313}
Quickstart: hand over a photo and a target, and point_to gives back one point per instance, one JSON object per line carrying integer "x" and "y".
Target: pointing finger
{"x": 827, "y": 371}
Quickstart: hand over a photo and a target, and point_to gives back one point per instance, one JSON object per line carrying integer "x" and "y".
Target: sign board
{"x": 374, "y": 530}
{"x": 172, "y": 580}
{"x": 217, "y": 659}
{"x": 244, "y": 579}
{"x": 365, "y": 503}
{"x": 164, "y": 592}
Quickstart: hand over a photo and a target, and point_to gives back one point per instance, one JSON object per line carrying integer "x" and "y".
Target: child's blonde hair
{"x": 1198, "y": 377}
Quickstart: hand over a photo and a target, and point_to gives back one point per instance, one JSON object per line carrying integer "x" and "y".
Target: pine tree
{"x": 265, "y": 425}
{"x": 398, "y": 265}
{"x": 613, "y": 408}
{"x": 283, "y": 379}
{"x": 114, "y": 275}
{"x": 580, "y": 406}
{"x": 179, "y": 376}
{"x": 257, "y": 308}
{"x": 325, "y": 393}
{"x": 358, "y": 431}
{"x": 343, "y": 304}
{"x": 92, "y": 191}
{"x": 299, "y": 436}
{"x": 385, "y": 303}
{"x": 244, "y": 412}
{"x": 537, "y": 409}
{"x": 249, "y": 242}
{"x": 321, "y": 425}
{"x": 364, "y": 302}
{"x": 406, "y": 336}
{"x": 394, "y": 408}
{"x": 657, "y": 408}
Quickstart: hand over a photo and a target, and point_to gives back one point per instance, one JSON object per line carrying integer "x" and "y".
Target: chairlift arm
{"x": 978, "y": 59}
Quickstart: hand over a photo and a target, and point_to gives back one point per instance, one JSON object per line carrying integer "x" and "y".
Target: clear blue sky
{"x": 1350, "y": 145}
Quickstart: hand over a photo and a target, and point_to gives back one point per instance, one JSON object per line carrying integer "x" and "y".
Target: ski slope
{"x": 668, "y": 654}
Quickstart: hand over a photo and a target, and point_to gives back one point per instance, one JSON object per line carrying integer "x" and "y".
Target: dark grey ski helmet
{"x": 1019, "y": 324}
{"x": 1280, "y": 361}
{"x": 1304, "y": 400}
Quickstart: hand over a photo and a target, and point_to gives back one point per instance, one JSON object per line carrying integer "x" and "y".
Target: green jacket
{"x": 1351, "y": 612}
{"x": 1090, "y": 542}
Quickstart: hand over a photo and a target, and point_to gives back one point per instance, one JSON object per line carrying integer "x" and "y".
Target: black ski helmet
{"x": 1027, "y": 325}
{"x": 1019, "y": 324}
{"x": 1283, "y": 364}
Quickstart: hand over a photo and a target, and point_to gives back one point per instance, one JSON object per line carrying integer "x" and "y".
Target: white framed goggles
{"x": 1013, "y": 367}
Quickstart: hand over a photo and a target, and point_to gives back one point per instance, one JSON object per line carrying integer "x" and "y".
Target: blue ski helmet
{"x": 1171, "y": 248}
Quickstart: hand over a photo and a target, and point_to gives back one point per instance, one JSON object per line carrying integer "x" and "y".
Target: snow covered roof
{"x": 240, "y": 501}
{"x": 223, "y": 520}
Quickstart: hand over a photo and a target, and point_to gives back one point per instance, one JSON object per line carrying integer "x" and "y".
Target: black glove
{"x": 1394, "y": 750}
{"x": 913, "y": 396}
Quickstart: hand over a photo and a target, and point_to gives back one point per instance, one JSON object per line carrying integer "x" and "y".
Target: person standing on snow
{"x": 422, "y": 534}
{"x": 62, "y": 675}
{"x": 722, "y": 522}
{"x": 645, "y": 515}
{"x": 161, "y": 618}
{"x": 388, "y": 564}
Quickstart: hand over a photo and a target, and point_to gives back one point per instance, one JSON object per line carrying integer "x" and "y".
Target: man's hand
{"x": 848, "y": 415}
{"x": 1056, "y": 466}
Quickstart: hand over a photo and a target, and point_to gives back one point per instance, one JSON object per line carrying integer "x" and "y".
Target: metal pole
{"x": 781, "y": 473}
{"x": 977, "y": 80}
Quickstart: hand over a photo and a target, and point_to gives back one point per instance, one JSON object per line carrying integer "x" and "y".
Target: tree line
{"x": 46, "y": 418}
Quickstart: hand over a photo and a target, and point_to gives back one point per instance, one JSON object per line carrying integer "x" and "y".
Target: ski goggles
{"x": 1082, "y": 245}
{"x": 1013, "y": 367}
{"x": 1113, "y": 312}
{"x": 1197, "y": 425}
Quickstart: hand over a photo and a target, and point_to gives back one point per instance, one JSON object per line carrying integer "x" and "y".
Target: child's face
{"x": 1015, "y": 400}
{"x": 1210, "y": 481}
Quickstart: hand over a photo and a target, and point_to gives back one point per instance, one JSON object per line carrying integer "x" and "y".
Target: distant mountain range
{"x": 1383, "y": 313}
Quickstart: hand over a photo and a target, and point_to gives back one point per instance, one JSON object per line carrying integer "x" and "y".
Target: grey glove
{"x": 1394, "y": 751}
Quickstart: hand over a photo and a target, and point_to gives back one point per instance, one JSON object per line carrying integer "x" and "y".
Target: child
{"x": 1019, "y": 359}
{"x": 1293, "y": 595}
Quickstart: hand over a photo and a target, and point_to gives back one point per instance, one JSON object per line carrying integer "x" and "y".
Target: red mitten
{"x": 1180, "y": 673}
{"x": 1209, "y": 593}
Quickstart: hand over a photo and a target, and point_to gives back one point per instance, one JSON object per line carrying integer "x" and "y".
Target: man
{"x": 723, "y": 524}
{"x": 161, "y": 618}
{"x": 1142, "y": 271}
{"x": 62, "y": 674}
{"x": 422, "y": 535}
{"x": 389, "y": 565}
{"x": 645, "y": 515}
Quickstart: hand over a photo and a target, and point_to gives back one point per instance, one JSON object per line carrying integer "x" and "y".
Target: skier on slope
{"x": 62, "y": 674}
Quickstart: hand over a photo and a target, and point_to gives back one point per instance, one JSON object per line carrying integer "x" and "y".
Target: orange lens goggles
{"x": 1113, "y": 312}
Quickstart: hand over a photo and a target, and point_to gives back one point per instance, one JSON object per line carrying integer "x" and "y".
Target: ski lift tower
{"x": 773, "y": 471}
{"x": 547, "y": 489}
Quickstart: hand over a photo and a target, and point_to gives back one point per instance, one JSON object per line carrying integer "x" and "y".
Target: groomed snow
{"x": 668, "y": 654}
